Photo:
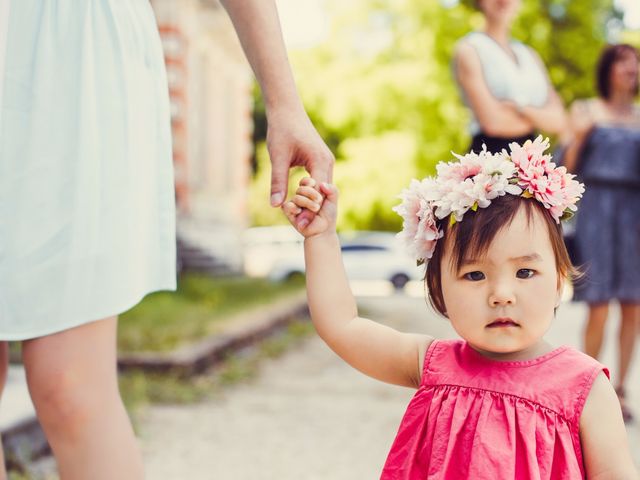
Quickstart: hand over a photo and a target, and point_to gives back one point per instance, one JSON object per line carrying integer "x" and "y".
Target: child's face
{"x": 503, "y": 303}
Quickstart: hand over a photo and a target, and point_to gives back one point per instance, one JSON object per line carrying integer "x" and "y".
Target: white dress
{"x": 87, "y": 215}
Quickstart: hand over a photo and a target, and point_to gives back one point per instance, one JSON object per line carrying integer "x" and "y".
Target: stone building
{"x": 210, "y": 85}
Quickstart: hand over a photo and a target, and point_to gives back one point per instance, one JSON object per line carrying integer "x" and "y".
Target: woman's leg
{"x": 4, "y": 365}
{"x": 630, "y": 318}
{"x": 594, "y": 330}
{"x": 72, "y": 377}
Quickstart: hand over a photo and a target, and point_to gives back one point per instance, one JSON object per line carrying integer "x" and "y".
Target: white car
{"x": 366, "y": 256}
{"x": 266, "y": 247}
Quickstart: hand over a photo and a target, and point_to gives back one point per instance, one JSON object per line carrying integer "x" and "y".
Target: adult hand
{"x": 319, "y": 198}
{"x": 581, "y": 119}
{"x": 293, "y": 141}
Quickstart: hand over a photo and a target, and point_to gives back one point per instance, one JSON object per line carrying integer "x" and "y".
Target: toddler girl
{"x": 501, "y": 403}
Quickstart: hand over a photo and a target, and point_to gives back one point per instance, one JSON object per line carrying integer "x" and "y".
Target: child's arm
{"x": 376, "y": 350}
{"x": 602, "y": 434}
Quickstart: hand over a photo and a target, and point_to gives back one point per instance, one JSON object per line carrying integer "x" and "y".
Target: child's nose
{"x": 501, "y": 294}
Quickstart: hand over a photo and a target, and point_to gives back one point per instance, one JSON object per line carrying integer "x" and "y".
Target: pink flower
{"x": 409, "y": 210}
{"x": 571, "y": 191}
{"x": 468, "y": 166}
{"x": 530, "y": 153}
{"x": 547, "y": 189}
{"x": 458, "y": 193}
{"x": 427, "y": 235}
{"x": 541, "y": 178}
{"x": 419, "y": 231}
{"x": 477, "y": 179}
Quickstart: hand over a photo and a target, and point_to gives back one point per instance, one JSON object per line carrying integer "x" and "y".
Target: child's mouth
{"x": 502, "y": 322}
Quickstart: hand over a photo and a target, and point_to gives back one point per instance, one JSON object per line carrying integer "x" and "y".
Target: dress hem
{"x": 89, "y": 318}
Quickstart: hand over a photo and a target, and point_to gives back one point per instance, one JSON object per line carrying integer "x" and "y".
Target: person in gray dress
{"x": 605, "y": 154}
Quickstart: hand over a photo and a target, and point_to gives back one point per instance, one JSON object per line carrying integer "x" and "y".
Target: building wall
{"x": 210, "y": 85}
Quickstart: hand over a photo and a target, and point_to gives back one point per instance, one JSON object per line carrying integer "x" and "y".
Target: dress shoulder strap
{"x": 568, "y": 381}
{"x": 440, "y": 357}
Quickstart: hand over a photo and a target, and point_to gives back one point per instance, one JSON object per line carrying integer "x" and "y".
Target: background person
{"x": 604, "y": 151}
{"x": 504, "y": 83}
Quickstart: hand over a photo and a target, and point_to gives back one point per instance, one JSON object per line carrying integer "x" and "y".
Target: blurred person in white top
{"x": 504, "y": 82}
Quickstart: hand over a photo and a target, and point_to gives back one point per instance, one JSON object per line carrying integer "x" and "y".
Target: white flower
{"x": 477, "y": 179}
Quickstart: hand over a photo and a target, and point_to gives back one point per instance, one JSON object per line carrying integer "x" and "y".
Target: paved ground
{"x": 310, "y": 416}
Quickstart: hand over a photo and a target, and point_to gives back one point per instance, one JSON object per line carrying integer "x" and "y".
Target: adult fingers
{"x": 279, "y": 179}
{"x": 307, "y": 182}
{"x": 321, "y": 168}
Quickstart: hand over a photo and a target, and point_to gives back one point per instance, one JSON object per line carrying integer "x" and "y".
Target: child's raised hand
{"x": 323, "y": 203}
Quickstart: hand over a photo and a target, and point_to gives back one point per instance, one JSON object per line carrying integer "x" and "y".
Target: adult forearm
{"x": 505, "y": 121}
{"x": 550, "y": 119}
{"x": 570, "y": 157}
{"x": 258, "y": 28}
{"x": 331, "y": 302}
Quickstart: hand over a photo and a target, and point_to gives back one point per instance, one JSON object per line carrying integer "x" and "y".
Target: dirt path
{"x": 308, "y": 415}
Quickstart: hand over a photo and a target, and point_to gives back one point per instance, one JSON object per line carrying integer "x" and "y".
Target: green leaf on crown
{"x": 566, "y": 215}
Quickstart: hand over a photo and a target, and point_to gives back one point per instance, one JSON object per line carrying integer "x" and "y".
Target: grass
{"x": 139, "y": 389}
{"x": 201, "y": 306}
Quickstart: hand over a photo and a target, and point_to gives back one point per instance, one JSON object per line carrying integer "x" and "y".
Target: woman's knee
{"x": 72, "y": 375}
{"x": 67, "y": 398}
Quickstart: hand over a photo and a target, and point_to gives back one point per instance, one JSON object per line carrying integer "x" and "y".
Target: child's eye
{"x": 525, "y": 273}
{"x": 474, "y": 276}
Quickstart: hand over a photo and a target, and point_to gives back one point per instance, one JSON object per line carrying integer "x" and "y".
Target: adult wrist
{"x": 285, "y": 104}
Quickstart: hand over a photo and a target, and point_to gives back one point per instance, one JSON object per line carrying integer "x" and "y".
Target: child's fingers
{"x": 330, "y": 191}
{"x": 305, "y": 202}
{"x": 291, "y": 210}
{"x": 310, "y": 193}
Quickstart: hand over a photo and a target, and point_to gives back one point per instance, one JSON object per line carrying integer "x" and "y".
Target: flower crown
{"x": 477, "y": 179}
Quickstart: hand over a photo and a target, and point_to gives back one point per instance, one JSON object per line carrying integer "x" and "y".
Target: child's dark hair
{"x": 472, "y": 236}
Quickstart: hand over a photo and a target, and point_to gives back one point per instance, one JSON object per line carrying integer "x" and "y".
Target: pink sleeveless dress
{"x": 477, "y": 418}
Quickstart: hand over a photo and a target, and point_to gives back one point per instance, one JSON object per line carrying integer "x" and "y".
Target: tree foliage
{"x": 381, "y": 92}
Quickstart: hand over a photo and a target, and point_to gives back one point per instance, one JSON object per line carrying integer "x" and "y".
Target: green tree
{"x": 381, "y": 91}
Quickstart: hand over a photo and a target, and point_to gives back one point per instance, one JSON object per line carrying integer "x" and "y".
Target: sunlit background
{"x": 375, "y": 77}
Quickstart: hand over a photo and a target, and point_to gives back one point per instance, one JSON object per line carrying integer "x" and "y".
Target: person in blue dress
{"x": 605, "y": 154}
